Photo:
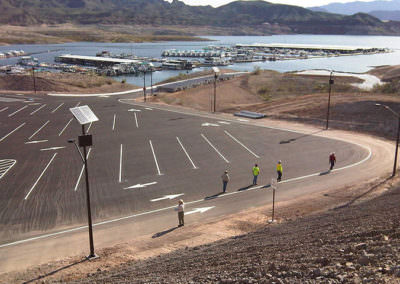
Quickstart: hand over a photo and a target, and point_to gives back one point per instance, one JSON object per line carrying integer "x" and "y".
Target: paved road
{"x": 170, "y": 153}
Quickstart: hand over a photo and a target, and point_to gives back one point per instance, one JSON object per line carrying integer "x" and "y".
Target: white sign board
{"x": 274, "y": 184}
{"x": 84, "y": 114}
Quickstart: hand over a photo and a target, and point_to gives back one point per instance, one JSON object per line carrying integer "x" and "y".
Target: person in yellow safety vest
{"x": 279, "y": 170}
{"x": 256, "y": 172}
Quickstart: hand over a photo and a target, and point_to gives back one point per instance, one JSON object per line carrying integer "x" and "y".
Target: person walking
{"x": 279, "y": 170}
{"x": 181, "y": 213}
{"x": 332, "y": 160}
{"x": 225, "y": 180}
{"x": 256, "y": 172}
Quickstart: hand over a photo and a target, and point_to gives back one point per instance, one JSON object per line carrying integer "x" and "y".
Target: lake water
{"x": 357, "y": 64}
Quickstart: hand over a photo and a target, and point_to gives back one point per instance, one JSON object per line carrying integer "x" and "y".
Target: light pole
{"x": 398, "y": 136}
{"x": 216, "y": 74}
{"x": 144, "y": 85}
{"x": 84, "y": 115}
{"x": 329, "y": 99}
{"x": 34, "y": 79}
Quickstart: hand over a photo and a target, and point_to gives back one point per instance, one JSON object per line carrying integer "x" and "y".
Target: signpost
{"x": 274, "y": 185}
{"x": 84, "y": 115}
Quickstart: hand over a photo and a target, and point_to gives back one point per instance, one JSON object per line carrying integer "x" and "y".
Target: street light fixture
{"x": 84, "y": 115}
{"x": 398, "y": 136}
{"x": 331, "y": 82}
{"x": 216, "y": 74}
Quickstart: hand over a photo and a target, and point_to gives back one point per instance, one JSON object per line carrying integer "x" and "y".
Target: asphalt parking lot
{"x": 139, "y": 156}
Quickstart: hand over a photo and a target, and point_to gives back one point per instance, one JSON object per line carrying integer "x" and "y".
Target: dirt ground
{"x": 60, "y": 82}
{"x": 342, "y": 235}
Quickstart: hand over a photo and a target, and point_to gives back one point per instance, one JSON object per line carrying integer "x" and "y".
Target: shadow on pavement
{"x": 297, "y": 138}
{"x": 160, "y": 234}
{"x": 325, "y": 173}
{"x": 246, "y": 187}
{"x": 40, "y": 277}
{"x": 213, "y": 196}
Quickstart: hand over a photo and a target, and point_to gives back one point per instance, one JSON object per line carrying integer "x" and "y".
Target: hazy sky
{"x": 303, "y": 3}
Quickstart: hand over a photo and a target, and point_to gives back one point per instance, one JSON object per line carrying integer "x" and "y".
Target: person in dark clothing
{"x": 332, "y": 160}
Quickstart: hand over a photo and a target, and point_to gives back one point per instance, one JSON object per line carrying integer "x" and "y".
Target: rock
{"x": 363, "y": 260}
{"x": 361, "y": 246}
{"x": 323, "y": 261}
{"x": 316, "y": 272}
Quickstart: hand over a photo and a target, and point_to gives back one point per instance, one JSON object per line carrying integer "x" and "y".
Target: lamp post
{"x": 329, "y": 99}
{"x": 84, "y": 115}
{"x": 397, "y": 139}
{"x": 144, "y": 85}
{"x": 151, "y": 78}
{"x": 34, "y": 79}
{"x": 216, "y": 74}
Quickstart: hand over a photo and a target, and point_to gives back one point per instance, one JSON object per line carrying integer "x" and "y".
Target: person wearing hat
{"x": 279, "y": 170}
{"x": 332, "y": 160}
{"x": 181, "y": 213}
{"x": 225, "y": 180}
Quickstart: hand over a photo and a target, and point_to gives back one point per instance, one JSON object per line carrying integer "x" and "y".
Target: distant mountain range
{"x": 382, "y": 9}
{"x": 258, "y": 15}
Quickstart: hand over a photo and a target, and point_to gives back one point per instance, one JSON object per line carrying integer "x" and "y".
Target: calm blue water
{"x": 360, "y": 63}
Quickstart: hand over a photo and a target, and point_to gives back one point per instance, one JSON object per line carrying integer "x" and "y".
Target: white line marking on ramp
{"x": 53, "y": 148}
{"x": 209, "y": 124}
{"x": 61, "y": 132}
{"x": 187, "y": 155}
{"x": 199, "y": 210}
{"x": 113, "y": 126}
{"x": 3, "y": 109}
{"x": 155, "y": 158}
{"x": 216, "y": 150}
{"x": 137, "y": 125}
{"x": 141, "y": 185}
{"x": 17, "y": 111}
{"x": 54, "y": 110}
{"x": 83, "y": 167}
{"x": 35, "y": 111}
{"x": 45, "y": 169}
{"x": 170, "y": 197}
{"x": 37, "y": 131}
{"x": 4, "y": 137}
{"x": 5, "y": 166}
{"x": 36, "y": 141}
{"x": 241, "y": 144}
{"x": 87, "y": 130}
{"x": 120, "y": 165}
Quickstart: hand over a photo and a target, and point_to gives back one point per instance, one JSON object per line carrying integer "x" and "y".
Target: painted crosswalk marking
{"x": 5, "y": 166}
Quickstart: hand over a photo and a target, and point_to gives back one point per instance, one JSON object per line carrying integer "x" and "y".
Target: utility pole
{"x": 34, "y": 79}
{"x": 331, "y": 82}
{"x": 144, "y": 85}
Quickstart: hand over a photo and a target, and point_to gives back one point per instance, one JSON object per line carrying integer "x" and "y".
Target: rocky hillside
{"x": 350, "y": 244}
{"x": 259, "y": 15}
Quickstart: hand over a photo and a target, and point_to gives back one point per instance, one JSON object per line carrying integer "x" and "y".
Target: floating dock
{"x": 94, "y": 60}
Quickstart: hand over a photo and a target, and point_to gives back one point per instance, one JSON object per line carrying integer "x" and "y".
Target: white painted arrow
{"x": 132, "y": 109}
{"x": 53, "y": 148}
{"x": 224, "y": 122}
{"x": 35, "y": 142}
{"x": 199, "y": 210}
{"x": 140, "y": 185}
{"x": 209, "y": 124}
{"x": 172, "y": 196}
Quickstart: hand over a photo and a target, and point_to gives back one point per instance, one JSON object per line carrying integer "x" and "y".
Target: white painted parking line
{"x": 137, "y": 125}
{"x": 3, "y": 109}
{"x": 241, "y": 144}
{"x": 37, "y": 131}
{"x": 4, "y": 137}
{"x": 5, "y": 166}
{"x": 78, "y": 104}
{"x": 53, "y": 148}
{"x": 133, "y": 109}
{"x": 148, "y": 108}
{"x": 216, "y": 150}
{"x": 141, "y": 185}
{"x": 170, "y": 197}
{"x": 113, "y": 126}
{"x": 36, "y": 141}
{"x": 39, "y": 108}
{"x": 37, "y": 181}
{"x": 61, "y": 132}
{"x": 120, "y": 165}
{"x": 224, "y": 122}
{"x": 81, "y": 173}
{"x": 87, "y": 130}
{"x": 187, "y": 155}
{"x": 17, "y": 111}
{"x": 209, "y": 124}
{"x": 54, "y": 110}
{"x": 155, "y": 158}
{"x": 243, "y": 120}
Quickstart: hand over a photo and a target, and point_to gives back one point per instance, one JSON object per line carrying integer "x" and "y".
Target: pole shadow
{"x": 160, "y": 234}
{"x": 348, "y": 204}
{"x": 300, "y": 137}
{"x": 245, "y": 188}
{"x": 213, "y": 196}
{"x": 41, "y": 277}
